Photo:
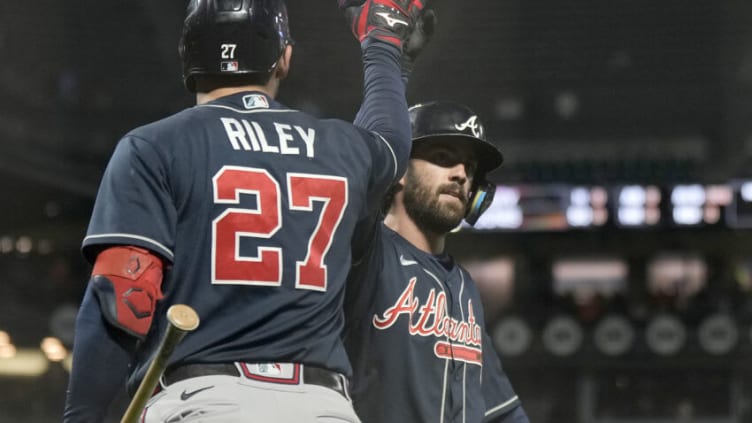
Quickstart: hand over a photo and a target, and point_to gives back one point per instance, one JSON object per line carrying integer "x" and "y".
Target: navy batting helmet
{"x": 442, "y": 120}
{"x": 232, "y": 37}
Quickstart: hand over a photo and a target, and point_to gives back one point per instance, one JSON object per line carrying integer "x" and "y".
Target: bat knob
{"x": 183, "y": 317}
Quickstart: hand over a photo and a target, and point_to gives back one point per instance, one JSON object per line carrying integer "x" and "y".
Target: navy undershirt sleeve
{"x": 101, "y": 356}
{"x": 384, "y": 107}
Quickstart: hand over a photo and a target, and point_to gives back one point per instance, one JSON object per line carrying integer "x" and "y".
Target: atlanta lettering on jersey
{"x": 287, "y": 139}
{"x": 434, "y": 320}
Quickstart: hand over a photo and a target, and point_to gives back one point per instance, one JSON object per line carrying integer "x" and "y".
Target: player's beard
{"x": 424, "y": 207}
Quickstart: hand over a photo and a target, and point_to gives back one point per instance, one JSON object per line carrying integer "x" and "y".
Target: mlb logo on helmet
{"x": 229, "y": 66}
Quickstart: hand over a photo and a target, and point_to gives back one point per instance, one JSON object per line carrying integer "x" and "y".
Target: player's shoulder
{"x": 470, "y": 284}
{"x": 403, "y": 250}
{"x": 460, "y": 268}
{"x": 337, "y": 126}
{"x": 165, "y": 128}
{"x": 254, "y": 106}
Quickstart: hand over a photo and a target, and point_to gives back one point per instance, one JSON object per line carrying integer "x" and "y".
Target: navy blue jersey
{"x": 254, "y": 205}
{"x": 417, "y": 340}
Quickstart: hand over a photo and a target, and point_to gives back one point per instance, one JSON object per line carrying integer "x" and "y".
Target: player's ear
{"x": 283, "y": 67}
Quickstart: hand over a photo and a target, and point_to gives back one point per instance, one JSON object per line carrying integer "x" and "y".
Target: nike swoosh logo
{"x": 390, "y": 20}
{"x": 185, "y": 395}
{"x": 406, "y": 262}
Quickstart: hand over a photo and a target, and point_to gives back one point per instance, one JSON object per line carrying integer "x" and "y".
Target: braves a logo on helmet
{"x": 456, "y": 339}
{"x": 471, "y": 124}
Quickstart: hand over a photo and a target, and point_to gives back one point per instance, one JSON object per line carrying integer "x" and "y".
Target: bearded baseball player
{"x": 243, "y": 209}
{"x": 415, "y": 331}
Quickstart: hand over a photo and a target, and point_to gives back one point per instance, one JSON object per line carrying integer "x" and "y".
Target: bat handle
{"x": 182, "y": 319}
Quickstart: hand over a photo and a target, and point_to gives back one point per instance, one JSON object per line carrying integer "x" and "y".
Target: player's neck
{"x": 202, "y": 98}
{"x": 401, "y": 223}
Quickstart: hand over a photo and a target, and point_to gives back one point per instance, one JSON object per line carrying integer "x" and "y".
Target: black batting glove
{"x": 418, "y": 39}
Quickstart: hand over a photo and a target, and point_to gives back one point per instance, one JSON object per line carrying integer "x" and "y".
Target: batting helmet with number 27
{"x": 232, "y": 37}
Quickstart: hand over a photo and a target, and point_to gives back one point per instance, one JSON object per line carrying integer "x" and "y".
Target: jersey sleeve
{"x": 133, "y": 205}
{"x": 515, "y": 415}
{"x": 497, "y": 390}
{"x": 384, "y": 172}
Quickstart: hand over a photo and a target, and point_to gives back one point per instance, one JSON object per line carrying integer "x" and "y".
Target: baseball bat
{"x": 181, "y": 320}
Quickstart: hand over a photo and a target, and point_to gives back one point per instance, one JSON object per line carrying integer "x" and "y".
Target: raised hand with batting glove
{"x": 387, "y": 20}
{"x": 418, "y": 39}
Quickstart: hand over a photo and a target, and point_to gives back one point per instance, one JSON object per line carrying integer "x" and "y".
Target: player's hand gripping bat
{"x": 182, "y": 319}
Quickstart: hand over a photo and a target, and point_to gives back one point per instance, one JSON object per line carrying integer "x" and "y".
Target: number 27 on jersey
{"x": 262, "y": 222}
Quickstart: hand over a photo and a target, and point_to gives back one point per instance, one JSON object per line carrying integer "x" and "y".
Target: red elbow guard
{"x": 127, "y": 282}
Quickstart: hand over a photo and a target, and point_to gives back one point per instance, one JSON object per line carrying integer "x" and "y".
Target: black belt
{"x": 311, "y": 375}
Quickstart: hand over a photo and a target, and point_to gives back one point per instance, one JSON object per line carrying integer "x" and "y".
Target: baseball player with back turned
{"x": 414, "y": 320}
{"x": 245, "y": 210}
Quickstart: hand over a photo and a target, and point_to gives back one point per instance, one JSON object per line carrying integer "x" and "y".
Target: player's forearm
{"x": 384, "y": 107}
{"x": 100, "y": 364}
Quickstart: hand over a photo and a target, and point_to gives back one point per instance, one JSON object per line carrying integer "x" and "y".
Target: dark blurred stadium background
{"x": 616, "y": 261}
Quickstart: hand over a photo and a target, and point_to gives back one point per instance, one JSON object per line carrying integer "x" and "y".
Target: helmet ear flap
{"x": 482, "y": 199}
